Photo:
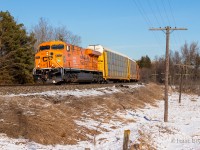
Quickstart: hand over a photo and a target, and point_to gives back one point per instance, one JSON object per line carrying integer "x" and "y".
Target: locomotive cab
{"x": 49, "y": 62}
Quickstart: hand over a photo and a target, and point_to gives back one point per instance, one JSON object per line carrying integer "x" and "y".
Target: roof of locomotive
{"x": 52, "y": 42}
{"x": 101, "y": 49}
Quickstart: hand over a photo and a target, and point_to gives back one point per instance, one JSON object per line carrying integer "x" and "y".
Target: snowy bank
{"x": 181, "y": 132}
{"x": 77, "y": 93}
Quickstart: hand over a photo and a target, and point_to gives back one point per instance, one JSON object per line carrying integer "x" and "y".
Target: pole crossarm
{"x": 183, "y": 65}
{"x": 167, "y": 28}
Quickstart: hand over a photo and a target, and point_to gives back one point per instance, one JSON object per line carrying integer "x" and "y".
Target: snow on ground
{"x": 78, "y": 93}
{"x": 181, "y": 132}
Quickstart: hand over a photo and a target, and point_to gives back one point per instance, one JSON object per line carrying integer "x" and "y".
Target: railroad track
{"x": 37, "y": 88}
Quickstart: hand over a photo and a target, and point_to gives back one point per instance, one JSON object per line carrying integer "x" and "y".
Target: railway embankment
{"x": 52, "y": 114}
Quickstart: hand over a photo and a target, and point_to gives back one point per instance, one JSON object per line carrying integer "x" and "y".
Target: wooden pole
{"x": 181, "y": 84}
{"x": 166, "y": 74}
{"x": 167, "y": 32}
{"x": 183, "y": 68}
{"x": 126, "y": 139}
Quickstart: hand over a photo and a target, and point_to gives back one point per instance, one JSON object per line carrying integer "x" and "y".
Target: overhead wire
{"x": 159, "y": 12}
{"x": 164, "y": 21}
{"x": 169, "y": 22}
{"x": 153, "y": 13}
{"x": 147, "y": 20}
{"x": 174, "y": 21}
{"x": 164, "y": 8}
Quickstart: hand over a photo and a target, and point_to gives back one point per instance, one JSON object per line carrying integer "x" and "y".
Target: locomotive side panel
{"x": 82, "y": 59}
{"x": 57, "y": 61}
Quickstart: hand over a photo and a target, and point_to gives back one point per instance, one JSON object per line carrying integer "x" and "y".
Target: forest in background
{"x": 185, "y": 63}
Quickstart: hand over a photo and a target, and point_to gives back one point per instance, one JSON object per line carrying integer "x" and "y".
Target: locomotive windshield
{"x": 59, "y": 46}
{"x": 46, "y": 47}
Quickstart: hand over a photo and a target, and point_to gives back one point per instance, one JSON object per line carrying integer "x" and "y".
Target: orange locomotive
{"x": 57, "y": 62}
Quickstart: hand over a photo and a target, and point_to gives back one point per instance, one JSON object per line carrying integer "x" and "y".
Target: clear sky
{"x": 121, "y": 25}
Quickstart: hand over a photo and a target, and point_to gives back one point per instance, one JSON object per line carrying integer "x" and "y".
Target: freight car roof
{"x": 101, "y": 48}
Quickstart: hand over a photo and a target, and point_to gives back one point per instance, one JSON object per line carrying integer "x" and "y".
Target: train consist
{"x": 58, "y": 62}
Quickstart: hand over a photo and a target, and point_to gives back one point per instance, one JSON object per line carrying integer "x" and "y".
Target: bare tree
{"x": 43, "y": 31}
{"x": 61, "y": 33}
{"x": 189, "y": 53}
{"x": 176, "y": 58}
{"x": 193, "y": 52}
{"x": 75, "y": 39}
{"x": 197, "y": 67}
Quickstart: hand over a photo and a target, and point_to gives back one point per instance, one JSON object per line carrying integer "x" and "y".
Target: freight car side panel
{"x": 101, "y": 64}
{"x": 116, "y": 66}
{"x": 133, "y": 70}
{"x": 105, "y": 65}
{"x": 138, "y": 72}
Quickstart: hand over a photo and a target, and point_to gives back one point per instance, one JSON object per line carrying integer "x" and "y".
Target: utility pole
{"x": 167, "y": 30}
{"x": 1, "y": 18}
{"x": 182, "y": 66}
{"x": 181, "y": 85}
{"x": 155, "y": 76}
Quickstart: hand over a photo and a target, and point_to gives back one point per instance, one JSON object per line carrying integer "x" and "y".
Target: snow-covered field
{"x": 182, "y": 132}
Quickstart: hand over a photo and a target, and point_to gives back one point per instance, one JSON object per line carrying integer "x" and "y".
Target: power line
{"x": 147, "y": 20}
{"x": 168, "y": 18}
{"x": 153, "y": 13}
{"x": 170, "y": 8}
{"x": 166, "y": 13}
{"x": 162, "y": 20}
{"x": 141, "y": 10}
{"x": 174, "y": 21}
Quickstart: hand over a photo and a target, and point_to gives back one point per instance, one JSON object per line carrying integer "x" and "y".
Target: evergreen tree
{"x": 16, "y": 51}
{"x": 144, "y": 62}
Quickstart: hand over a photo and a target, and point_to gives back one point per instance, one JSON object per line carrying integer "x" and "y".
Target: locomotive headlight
{"x": 47, "y": 53}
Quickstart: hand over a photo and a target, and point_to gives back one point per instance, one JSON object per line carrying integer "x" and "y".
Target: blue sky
{"x": 121, "y": 25}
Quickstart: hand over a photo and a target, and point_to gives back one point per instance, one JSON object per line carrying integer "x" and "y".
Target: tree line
{"x": 17, "y": 46}
{"x": 185, "y": 62}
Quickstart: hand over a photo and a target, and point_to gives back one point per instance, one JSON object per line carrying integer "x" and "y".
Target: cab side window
{"x": 68, "y": 48}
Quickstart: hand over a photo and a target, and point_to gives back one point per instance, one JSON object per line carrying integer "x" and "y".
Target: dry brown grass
{"x": 145, "y": 142}
{"x": 50, "y": 120}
